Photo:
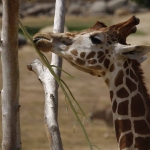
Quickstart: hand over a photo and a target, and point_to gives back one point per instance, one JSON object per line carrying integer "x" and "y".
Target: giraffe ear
{"x": 98, "y": 25}
{"x": 135, "y": 52}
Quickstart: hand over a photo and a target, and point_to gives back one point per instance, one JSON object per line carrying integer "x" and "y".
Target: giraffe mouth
{"x": 43, "y": 41}
{"x": 40, "y": 36}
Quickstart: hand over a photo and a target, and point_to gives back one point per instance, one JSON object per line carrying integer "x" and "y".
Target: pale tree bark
{"x": 50, "y": 85}
{"x": 11, "y": 139}
{"x": 51, "y": 118}
{"x": 51, "y": 123}
{"x": 59, "y": 21}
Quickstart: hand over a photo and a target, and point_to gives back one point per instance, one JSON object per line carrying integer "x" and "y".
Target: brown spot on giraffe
{"x": 122, "y": 93}
{"x": 69, "y": 57}
{"x": 131, "y": 85}
{"x": 111, "y": 95}
{"x": 112, "y": 68}
{"x": 125, "y": 65}
{"x": 127, "y": 71}
{"x": 123, "y": 126}
{"x": 142, "y": 143}
{"x": 141, "y": 124}
{"x": 106, "y": 51}
{"x": 119, "y": 78}
{"x": 92, "y": 73}
{"x": 107, "y": 81}
{"x": 92, "y": 61}
{"x": 114, "y": 106}
{"x": 126, "y": 140}
{"x": 103, "y": 73}
{"x": 137, "y": 106}
{"x": 74, "y": 52}
{"x": 91, "y": 55}
{"x": 80, "y": 62}
{"x": 130, "y": 61}
{"x": 100, "y": 54}
{"x": 106, "y": 63}
{"x": 123, "y": 108}
{"x": 109, "y": 42}
{"x": 101, "y": 59}
{"x": 82, "y": 54}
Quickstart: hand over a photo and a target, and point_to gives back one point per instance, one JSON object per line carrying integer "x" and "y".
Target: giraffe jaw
{"x": 86, "y": 70}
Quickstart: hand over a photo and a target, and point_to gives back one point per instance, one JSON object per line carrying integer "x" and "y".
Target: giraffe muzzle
{"x": 43, "y": 41}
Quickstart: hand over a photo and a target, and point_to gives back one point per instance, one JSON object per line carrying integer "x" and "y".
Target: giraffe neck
{"x": 129, "y": 105}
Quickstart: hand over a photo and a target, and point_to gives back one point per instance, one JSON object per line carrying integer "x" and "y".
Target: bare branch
{"x": 59, "y": 21}
{"x": 51, "y": 123}
{"x": 49, "y": 83}
{"x": 10, "y": 71}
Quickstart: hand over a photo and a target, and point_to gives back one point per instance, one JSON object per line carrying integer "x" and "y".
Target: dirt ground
{"x": 91, "y": 93}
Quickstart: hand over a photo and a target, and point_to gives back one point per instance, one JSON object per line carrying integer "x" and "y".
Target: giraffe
{"x": 103, "y": 52}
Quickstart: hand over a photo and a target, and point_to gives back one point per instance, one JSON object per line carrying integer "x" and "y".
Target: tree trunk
{"x": 51, "y": 124}
{"x": 50, "y": 85}
{"x": 59, "y": 20}
{"x": 11, "y": 139}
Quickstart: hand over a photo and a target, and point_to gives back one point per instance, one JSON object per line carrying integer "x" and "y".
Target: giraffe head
{"x": 96, "y": 49}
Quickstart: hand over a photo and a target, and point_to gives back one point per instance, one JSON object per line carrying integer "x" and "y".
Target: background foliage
{"x": 145, "y": 3}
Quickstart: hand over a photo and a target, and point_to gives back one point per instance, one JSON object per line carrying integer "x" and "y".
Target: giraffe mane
{"x": 143, "y": 88}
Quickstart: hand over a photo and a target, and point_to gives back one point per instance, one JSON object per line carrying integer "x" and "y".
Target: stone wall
{"x": 79, "y": 7}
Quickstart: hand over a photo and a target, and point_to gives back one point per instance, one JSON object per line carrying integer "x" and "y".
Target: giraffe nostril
{"x": 36, "y": 40}
{"x": 137, "y": 20}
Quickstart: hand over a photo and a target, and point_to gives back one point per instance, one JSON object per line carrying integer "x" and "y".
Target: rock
{"x": 52, "y": 12}
{"x": 25, "y": 6}
{"x": 74, "y": 9}
{"x": 115, "y": 4}
{"x": 38, "y": 9}
{"x": 98, "y": 7}
{"x": 122, "y": 12}
{"x": 50, "y": 29}
{"x": 133, "y": 7}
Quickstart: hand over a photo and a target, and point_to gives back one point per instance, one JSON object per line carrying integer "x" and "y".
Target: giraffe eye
{"x": 95, "y": 40}
{"x": 67, "y": 43}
